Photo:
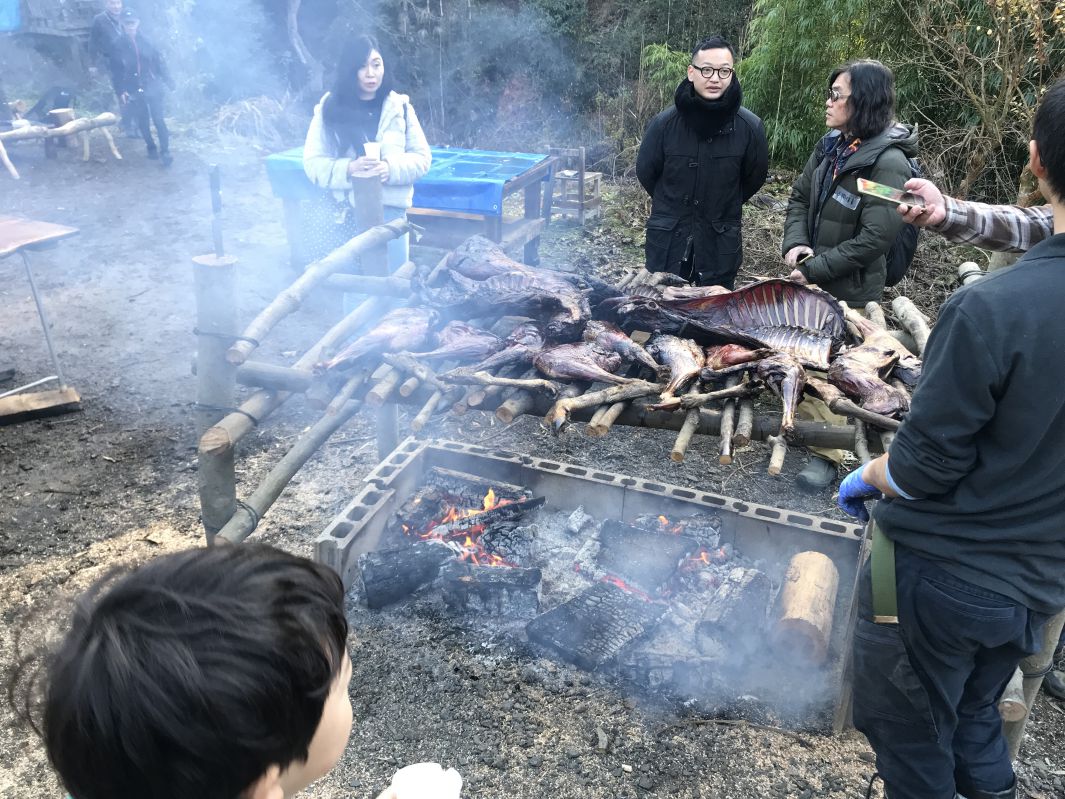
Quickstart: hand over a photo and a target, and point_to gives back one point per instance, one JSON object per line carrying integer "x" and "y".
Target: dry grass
{"x": 267, "y": 122}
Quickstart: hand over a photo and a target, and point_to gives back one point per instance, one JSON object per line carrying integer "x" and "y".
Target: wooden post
{"x": 744, "y": 423}
{"x": 1034, "y": 667}
{"x": 776, "y": 456}
{"x": 1011, "y": 704}
{"x": 807, "y": 605}
{"x": 244, "y": 521}
{"x": 216, "y": 324}
{"x": 531, "y": 251}
{"x": 370, "y": 212}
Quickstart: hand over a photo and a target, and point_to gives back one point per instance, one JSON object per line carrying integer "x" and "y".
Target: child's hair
{"x": 188, "y": 676}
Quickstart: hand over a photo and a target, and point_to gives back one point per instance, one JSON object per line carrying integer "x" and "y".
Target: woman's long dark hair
{"x": 872, "y": 99}
{"x": 344, "y": 93}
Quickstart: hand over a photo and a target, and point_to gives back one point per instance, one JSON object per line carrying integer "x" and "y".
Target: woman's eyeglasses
{"x": 835, "y": 96}
{"x": 708, "y": 72}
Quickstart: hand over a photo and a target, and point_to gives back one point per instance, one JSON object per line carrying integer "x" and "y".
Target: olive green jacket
{"x": 849, "y": 233}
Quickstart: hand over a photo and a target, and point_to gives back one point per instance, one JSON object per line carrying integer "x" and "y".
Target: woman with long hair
{"x": 835, "y": 237}
{"x": 361, "y": 128}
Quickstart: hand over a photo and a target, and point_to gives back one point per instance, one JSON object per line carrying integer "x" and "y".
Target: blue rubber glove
{"x": 853, "y": 494}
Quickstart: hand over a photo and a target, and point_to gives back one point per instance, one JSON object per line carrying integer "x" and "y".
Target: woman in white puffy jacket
{"x": 362, "y": 109}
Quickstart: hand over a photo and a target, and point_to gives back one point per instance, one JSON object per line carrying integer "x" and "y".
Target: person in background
{"x": 700, "y": 160}
{"x": 832, "y": 235}
{"x": 360, "y": 129}
{"x": 141, "y": 75}
{"x": 213, "y": 673}
{"x": 972, "y": 519}
{"x": 104, "y": 37}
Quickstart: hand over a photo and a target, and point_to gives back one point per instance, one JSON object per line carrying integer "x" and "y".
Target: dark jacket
{"x": 104, "y": 37}
{"x": 853, "y": 232}
{"x": 981, "y": 448}
{"x": 138, "y": 66}
{"x": 698, "y": 186}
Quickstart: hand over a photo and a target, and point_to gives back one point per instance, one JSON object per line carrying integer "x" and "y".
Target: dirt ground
{"x": 116, "y": 483}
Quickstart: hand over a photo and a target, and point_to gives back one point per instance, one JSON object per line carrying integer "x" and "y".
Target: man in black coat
{"x": 140, "y": 74}
{"x": 700, "y": 161}
{"x": 104, "y": 39}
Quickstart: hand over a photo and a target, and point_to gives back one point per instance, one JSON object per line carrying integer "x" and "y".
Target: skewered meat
{"x": 724, "y": 355}
{"x": 613, "y": 338}
{"x": 538, "y": 294}
{"x": 778, "y": 314}
{"x": 400, "y": 329}
{"x": 783, "y": 373}
{"x": 683, "y": 357}
{"x": 908, "y": 367}
{"x": 581, "y": 361}
{"x": 519, "y": 349}
{"x": 859, "y": 371}
{"x": 463, "y": 342}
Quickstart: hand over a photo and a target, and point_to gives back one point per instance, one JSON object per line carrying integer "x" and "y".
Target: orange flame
{"x": 472, "y": 549}
{"x": 624, "y": 586}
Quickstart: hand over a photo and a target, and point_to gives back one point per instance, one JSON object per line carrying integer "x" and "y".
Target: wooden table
{"x": 23, "y": 236}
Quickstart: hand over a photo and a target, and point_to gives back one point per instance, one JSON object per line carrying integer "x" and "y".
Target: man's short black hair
{"x": 713, "y": 43}
{"x": 188, "y": 676}
{"x": 1047, "y": 132}
{"x": 872, "y": 98}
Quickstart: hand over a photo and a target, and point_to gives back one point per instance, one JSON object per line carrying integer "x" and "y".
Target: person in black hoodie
{"x": 104, "y": 38}
{"x": 970, "y": 539}
{"x": 700, "y": 161}
{"x": 140, "y": 74}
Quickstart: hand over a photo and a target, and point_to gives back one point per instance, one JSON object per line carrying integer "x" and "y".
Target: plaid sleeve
{"x": 1006, "y": 228}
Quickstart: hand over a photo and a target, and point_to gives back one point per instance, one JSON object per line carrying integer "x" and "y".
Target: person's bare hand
{"x": 798, "y": 277}
{"x": 792, "y": 257}
{"x": 362, "y": 167}
{"x": 935, "y": 208}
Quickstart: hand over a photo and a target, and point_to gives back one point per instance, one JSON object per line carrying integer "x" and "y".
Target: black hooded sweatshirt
{"x": 700, "y": 160}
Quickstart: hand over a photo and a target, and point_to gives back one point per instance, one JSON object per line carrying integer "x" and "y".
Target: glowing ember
{"x": 624, "y": 586}
{"x": 464, "y": 537}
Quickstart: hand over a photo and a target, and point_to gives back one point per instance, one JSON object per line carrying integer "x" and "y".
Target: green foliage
{"x": 795, "y": 44}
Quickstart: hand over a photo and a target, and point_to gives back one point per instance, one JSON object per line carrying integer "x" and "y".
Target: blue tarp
{"x": 459, "y": 180}
{"x": 9, "y": 15}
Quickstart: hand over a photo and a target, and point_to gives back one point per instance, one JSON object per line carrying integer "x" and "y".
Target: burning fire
{"x": 667, "y": 527}
{"x": 463, "y": 536}
{"x": 624, "y": 586}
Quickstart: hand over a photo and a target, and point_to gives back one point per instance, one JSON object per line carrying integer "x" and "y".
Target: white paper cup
{"x": 426, "y": 781}
{"x": 372, "y": 150}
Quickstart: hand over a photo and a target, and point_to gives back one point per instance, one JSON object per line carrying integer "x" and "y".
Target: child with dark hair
{"x": 211, "y": 673}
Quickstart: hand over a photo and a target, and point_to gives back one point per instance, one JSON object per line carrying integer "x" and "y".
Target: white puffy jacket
{"x": 403, "y": 147}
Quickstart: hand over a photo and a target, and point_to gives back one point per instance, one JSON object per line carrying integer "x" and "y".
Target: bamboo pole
{"x": 216, "y": 323}
{"x": 246, "y": 518}
{"x": 278, "y": 378}
{"x": 230, "y": 430}
{"x": 1011, "y": 705}
{"x": 1033, "y": 668}
{"x": 7, "y": 163}
{"x": 380, "y": 392}
{"x": 559, "y": 413}
{"x": 598, "y": 429}
{"x": 289, "y": 300}
{"x": 366, "y": 284}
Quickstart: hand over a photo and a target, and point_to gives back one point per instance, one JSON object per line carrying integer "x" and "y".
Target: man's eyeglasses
{"x": 708, "y": 72}
{"x": 835, "y": 96}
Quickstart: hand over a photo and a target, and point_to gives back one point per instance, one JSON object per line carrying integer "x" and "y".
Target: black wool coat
{"x": 698, "y": 185}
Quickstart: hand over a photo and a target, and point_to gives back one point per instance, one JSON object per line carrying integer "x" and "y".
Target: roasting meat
{"x": 859, "y": 372}
{"x": 786, "y": 377}
{"x": 724, "y": 355}
{"x": 519, "y": 349}
{"x": 611, "y": 337}
{"x": 908, "y": 366}
{"x": 682, "y": 356}
{"x": 399, "y": 330}
{"x": 581, "y": 361}
{"x": 779, "y": 314}
{"x": 462, "y": 342}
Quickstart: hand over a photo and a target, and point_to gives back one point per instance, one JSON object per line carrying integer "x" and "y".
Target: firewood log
{"x": 912, "y": 320}
{"x": 803, "y": 630}
{"x": 776, "y": 456}
{"x": 1011, "y": 705}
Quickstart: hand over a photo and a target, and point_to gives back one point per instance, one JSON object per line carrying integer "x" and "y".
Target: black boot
{"x": 972, "y": 793}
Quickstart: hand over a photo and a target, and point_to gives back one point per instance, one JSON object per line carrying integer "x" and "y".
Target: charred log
{"x": 496, "y": 591}
{"x": 390, "y": 575}
{"x": 641, "y": 558}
